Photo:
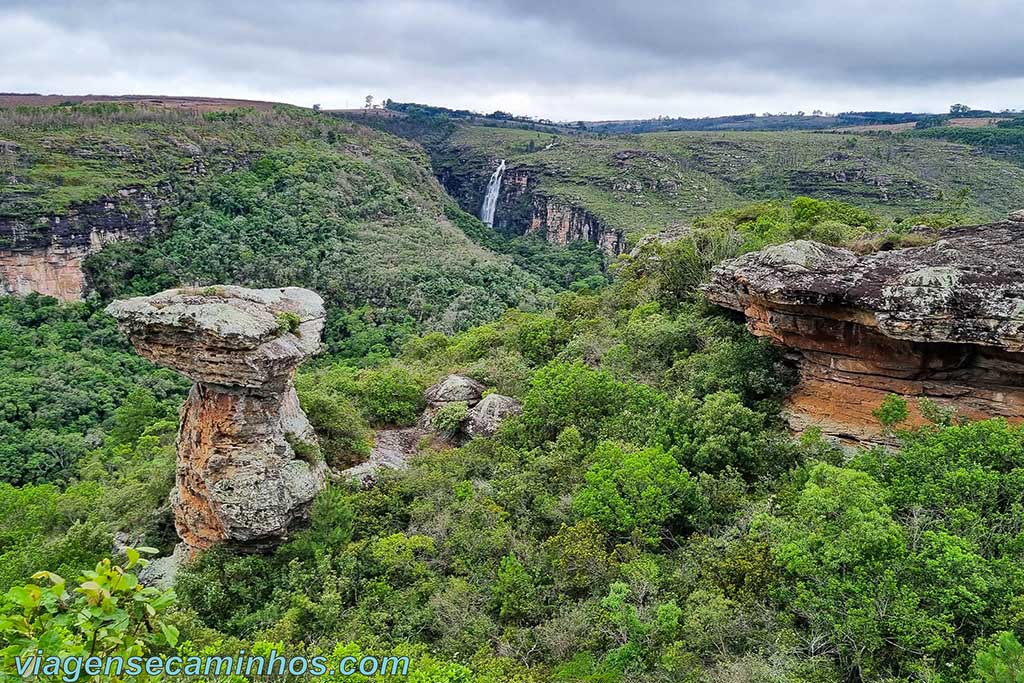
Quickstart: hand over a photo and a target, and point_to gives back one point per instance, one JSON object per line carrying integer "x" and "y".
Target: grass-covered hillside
{"x": 269, "y": 198}
{"x": 643, "y": 183}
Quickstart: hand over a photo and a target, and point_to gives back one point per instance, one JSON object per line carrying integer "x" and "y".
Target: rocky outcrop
{"x": 562, "y": 223}
{"x": 454, "y": 389}
{"x": 943, "y": 321}
{"x": 45, "y": 254}
{"x": 487, "y": 415}
{"x": 391, "y": 450}
{"x": 484, "y": 415}
{"x": 248, "y": 465}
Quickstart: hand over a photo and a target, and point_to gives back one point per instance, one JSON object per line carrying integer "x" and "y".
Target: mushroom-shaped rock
{"x": 454, "y": 388}
{"x": 487, "y": 415}
{"x": 247, "y": 462}
{"x": 943, "y": 321}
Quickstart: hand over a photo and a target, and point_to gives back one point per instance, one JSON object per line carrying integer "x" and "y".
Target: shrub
{"x": 342, "y": 430}
{"x": 716, "y": 434}
{"x": 287, "y": 322}
{"x": 107, "y": 614}
{"x": 448, "y": 418}
{"x": 636, "y": 493}
{"x": 892, "y": 411}
{"x": 390, "y": 395}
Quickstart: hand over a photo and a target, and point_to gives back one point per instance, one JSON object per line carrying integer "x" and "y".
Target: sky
{"x": 557, "y": 59}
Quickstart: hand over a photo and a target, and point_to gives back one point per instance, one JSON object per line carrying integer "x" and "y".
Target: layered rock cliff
{"x": 525, "y": 209}
{"x": 943, "y": 321}
{"x": 248, "y": 465}
{"x": 45, "y": 254}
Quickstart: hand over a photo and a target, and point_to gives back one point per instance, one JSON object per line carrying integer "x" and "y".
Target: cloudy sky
{"x": 559, "y": 59}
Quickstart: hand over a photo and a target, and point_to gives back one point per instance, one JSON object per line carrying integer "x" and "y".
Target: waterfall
{"x": 491, "y": 198}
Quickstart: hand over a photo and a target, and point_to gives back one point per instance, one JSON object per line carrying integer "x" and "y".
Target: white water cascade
{"x": 491, "y": 198}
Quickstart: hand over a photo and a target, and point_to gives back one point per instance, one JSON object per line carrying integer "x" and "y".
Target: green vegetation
{"x": 107, "y": 614}
{"x": 288, "y": 322}
{"x": 1005, "y": 140}
{"x": 68, "y": 380}
{"x": 278, "y": 198}
{"x": 646, "y": 518}
{"x": 645, "y": 183}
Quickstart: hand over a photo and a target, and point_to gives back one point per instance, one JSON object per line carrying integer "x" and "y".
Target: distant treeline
{"x": 798, "y": 121}
{"x": 1004, "y": 140}
{"x": 413, "y": 109}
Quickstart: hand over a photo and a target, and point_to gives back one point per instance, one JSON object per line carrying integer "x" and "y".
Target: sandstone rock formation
{"x": 943, "y": 321}
{"x": 487, "y": 415}
{"x": 247, "y": 462}
{"x": 45, "y": 255}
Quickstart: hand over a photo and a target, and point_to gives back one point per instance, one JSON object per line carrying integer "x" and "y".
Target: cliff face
{"x": 248, "y": 466}
{"x": 944, "y": 321}
{"x": 524, "y": 209}
{"x": 45, "y": 255}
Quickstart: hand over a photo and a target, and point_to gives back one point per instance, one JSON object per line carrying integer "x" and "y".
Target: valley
{"x": 612, "y": 189}
{"x": 523, "y": 405}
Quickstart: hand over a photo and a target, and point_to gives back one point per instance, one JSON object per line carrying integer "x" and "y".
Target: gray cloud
{"x": 562, "y": 59}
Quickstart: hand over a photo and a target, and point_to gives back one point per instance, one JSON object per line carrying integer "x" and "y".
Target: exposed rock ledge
{"x": 944, "y": 321}
{"x": 242, "y": 477}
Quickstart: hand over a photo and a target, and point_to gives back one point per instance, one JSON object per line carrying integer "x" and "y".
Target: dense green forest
{"x": 282, "y": 197}
{"x": 647, "y": 517}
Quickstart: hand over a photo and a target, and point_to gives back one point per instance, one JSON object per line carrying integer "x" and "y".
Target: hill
{"x": 636, "y": 184}
{"x": 118, "y": 199}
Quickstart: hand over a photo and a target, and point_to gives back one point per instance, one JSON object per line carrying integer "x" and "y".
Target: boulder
{"x": 487, "y": 415}
{"x": 452, "y": 389}
{"x": 943, "y": 321}
{"x": 247, "y": 462}
{"x": 391, "y": 450}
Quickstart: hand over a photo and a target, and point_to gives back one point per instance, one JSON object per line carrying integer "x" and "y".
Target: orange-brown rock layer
{"x": 45, "y": 255}
{"x": 943, "y": 322}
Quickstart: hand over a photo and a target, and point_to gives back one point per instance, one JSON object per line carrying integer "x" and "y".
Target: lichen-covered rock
{"x": 454, "y": 388}
{"x": 391, "y": 450}
{"x": 944, "y": 321}
{"x": 487, "y": 415}
{"x": 240, "y": 477}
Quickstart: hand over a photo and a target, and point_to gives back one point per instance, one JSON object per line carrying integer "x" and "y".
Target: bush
{"x": 717, "y": 434}
{"x": 287, "y": 322}
{"x": 448, "y": 418}
{"x": 390, "y": 395}
{"x": 107, "y": 614}
{"x": 343, "y": 432}
{"x": 636, "y": 493}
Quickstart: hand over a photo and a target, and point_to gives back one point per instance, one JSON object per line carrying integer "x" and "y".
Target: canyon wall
{"x": 248, "y": 463}
{"x": 525, "y": 209}
{"x": 943, "y": 322}
{"x": 45, "y": 254}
